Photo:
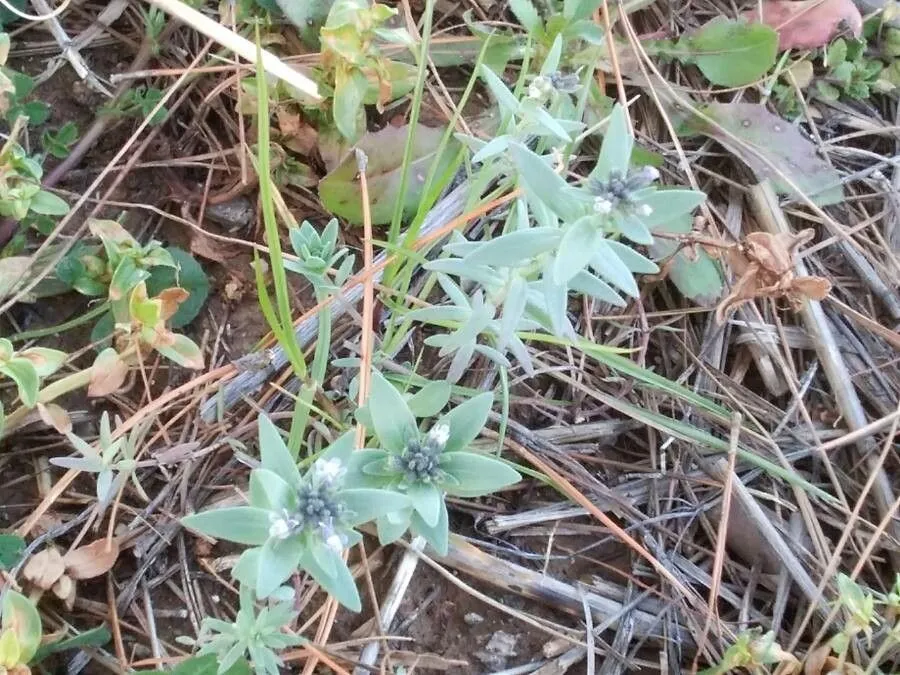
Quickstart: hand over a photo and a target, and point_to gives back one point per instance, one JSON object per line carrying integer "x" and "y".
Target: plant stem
{"x": 49, "y": 393}
{"x": 98, "y": 310}
{"x": 303, "y": 404}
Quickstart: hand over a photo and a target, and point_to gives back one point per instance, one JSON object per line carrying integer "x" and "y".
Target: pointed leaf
{"x": 278, "y": 559}
{"x": 542, "y": 182}
{"x": 476, "y": 474}
{"x": 366, "y": 504}
{"x": 575, "y": 249}
{"x": 426, "y": 500}
{"x": 615, "y": 153}
{"x": 393, "y": 420}
{"x": 437, "y": 535}
{"x": 608, "y": 265}
{"x": 467, "y": 420}
{"x": 430, "y": 399}
{"x": 512, "y": 249}
{"x": 391, "y": 529}
{"x": 274, "y": 453}
{"x": 240, "y": 524}
{"x": 270, "y": 491}
{"x": 341, "y": 585}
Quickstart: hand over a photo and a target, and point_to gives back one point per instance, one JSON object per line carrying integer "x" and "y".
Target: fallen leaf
{"x": 44, "y": 568}
{"x": 763, "y": 140}
{"x": 340, "y": 190}
{"x": 820, "y": 662}
{"x": 810, "y": 23}
{"x": 92, "y": 560}
{"x": 296, "y": 134}
{"x": 65, "y": 589}
{"x": 13, "y": 271}
{"x": 55, "y": 416}
{"x": 764, "y": 266}
{"x": 107, "y": 374}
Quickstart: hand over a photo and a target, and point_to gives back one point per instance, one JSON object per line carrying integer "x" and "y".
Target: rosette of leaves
{"x": 426, "y": 467}
{"x": 582, "y": 241}
{"x": 257, "y": 635}
{"x": 299, "y": 520}
{"x": 319, "y": 257}
{"x": 113, "y": 461}
{"x": 354, "y": 66}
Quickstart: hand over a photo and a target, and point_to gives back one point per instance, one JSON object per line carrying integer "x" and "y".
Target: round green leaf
{"x": 189, "y": 276}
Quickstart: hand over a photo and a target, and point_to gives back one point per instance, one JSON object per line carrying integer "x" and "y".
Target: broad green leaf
{"x": 608, "y": 265}
{"x": 270, "y": 491}
{"x": 695, "y": 274}
{"x": 12, "y": 546}
{"x": 668, "y": 205}
{"x": 526, "y": 15}
{"x": 633, "y": 228}
{"x": 585, "y": 282}
{"x": 188, "y": 275}
{"x": 349, "y": 90}
{"x": 95, "y": 637}
{"x": 438, "y": 535}
{"x": 773, "y": 148}
{"x": 615, "y": 153}
{"x": 278, "y": 559}
{"x": 393, "y": 526}
{"x": 341, "y": 585}
{"x": 507, "y": 101}
{"x": 240, "y": 524}
{"x": 730, "y": 53}
{"x": 543, "y": 183}
{"x": 477, "y": 474}
{"x": 426, "y": 500}
{"x": 576, "y": 248}
{"x": 48, "y": 204}
{"x": 365, "y": 504}
{"x": 467, "y": 420}
{"x": 340, "y": 189}
{"x": 393, "y": 420}
{"x": 430, "y": 399}
{"x": 632, "y": 259}
{"x": 21, "y": 618}
{"x": 23, "y": 373}
{"x": 183, "y": 351}
{"x": 510, "y": 250}
{"x": 274, "y": 453}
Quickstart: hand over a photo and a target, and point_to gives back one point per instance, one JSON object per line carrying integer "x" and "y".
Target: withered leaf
{"x": 44, "y": 568}
{"x": 92, "y": 560}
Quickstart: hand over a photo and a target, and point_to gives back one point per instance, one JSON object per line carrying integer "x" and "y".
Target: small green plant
{"x": 137, "y": 102}
{"x": 860, "y": 614}
{"x": 20, "y": 633}
{"x": 753, "y": 650}
{"x": 850, "y": 71}
{"x": 21, "y": 195}
{"x": 113, "y": 461}
{"x": 353, "y": 66}
{"x": 15, "y": 87}
{"x": 27, "y": 368}
{"x": 298, "y": 520}
{"x": 426, "y": 466}
{"x": 58, "y": 143}
{"x": 257, "y": 635}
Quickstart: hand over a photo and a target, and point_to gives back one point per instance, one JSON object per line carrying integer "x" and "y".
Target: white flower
{"x": 281, "y": 526}
{"x": 540, "y": 88}
{"x": 334, "y": 542}
{"x": 644, "y": 210}
{"x": 651, "y": 173}
{"x": 439, "y": 435}
{"x": 329, "y": 469}
{"x": 602, "y": 205}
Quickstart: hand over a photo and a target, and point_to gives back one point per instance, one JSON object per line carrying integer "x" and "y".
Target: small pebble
{"x": 473, "y": 618}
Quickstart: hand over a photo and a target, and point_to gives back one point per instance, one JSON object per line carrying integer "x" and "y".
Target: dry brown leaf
{"x": 107, "y": 374}
{"x": 764, "y": 266}
{"x": 171, "y": 298}
{"x": 65, "y": 590}
{"x": 296, "y": 134}
{"x": 55, "y": 416}
{"x": 820, "y": 662}
{"x": 213, "y": 249}
{"x": 808, "y": 24}
{"x": 44, "y": 568}
{"x": 92, "y": 560}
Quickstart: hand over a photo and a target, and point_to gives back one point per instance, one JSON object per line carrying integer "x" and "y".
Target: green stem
{"x": 303, "y": 404}
{"x": 98, "y": 310}
{"x": 49, "y": 393}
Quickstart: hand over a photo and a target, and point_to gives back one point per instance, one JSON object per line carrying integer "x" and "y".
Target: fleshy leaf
{"x": 426, "y": 500}
{"x": 466, "y": 421}
{"x": 269, "y": 491}
{"x": 439, "y": 534}
{"x": 477, "y": 474}
{"x": 393, "y": 420}
{"x": 366, "y": 504}
{"x": 274, "y": 453}
{"x": 278, "y": 559}
{"x": 240, "y": 524}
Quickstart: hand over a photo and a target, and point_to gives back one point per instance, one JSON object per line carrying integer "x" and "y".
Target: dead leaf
{"x": 820, "y": 662}
{"x": 44, "y": 568}
{"x": 296, "y": 133}
{"x": 764, "y": 266}
{"x": 107, "y": 374}
{"x": 808, "y": 24}
{"x": 65, "y": 590}
{"x": 171, "y": 298}
{"x": 92, "y": 560}
{"x": 55, "y": 416}
{"x": 212, "y": 249}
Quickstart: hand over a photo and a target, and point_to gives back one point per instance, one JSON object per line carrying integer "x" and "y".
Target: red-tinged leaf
{"x": 55, "y": 416}
{"x": 810, "y": 23}
{"x": 107, "y": 374}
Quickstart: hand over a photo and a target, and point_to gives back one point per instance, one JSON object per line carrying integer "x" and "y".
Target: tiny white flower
{"x": 329, "y": 469}
{"x": 602, "y": 205}
{"x": 439, "y": 435}
{"x": 280, "y": 527}
{"x": 540, "y": 88}
{"x": 644, "y": 210}
{"x": 334, "y": 542}
{"x": 651, "y": 172}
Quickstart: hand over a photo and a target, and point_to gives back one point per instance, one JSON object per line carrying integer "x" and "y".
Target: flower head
{"x": 438, "y": 436}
